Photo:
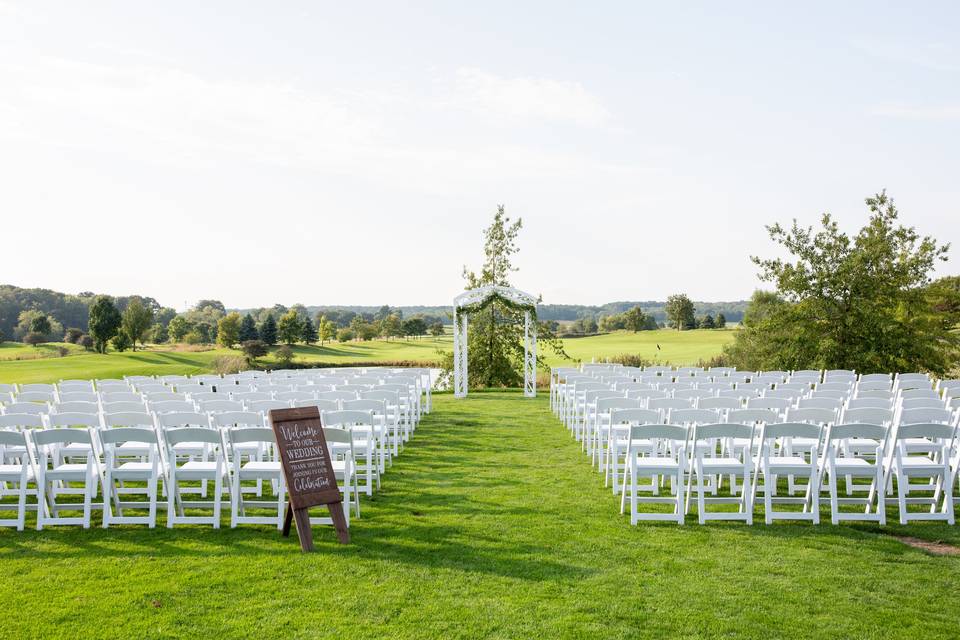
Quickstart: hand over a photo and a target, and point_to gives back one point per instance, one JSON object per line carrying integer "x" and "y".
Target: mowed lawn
{"x": 676, "y": 347}
{"x": 490, "y": 525}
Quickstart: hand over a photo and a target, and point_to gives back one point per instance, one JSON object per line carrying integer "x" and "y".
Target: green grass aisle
{"x": 491, "y": 524}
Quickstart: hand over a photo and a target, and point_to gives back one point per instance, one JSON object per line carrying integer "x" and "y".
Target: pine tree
{"x": 248, "y": 329}
{"x": 308, "y": 333}
{"x": 268, "y": 330}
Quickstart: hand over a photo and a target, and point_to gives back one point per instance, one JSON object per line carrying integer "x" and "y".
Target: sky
{"x": 352, "y": 153}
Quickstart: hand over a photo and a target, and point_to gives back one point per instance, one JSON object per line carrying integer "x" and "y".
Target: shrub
{"x": 253, "y": 349}
{"x": 193, "y": 337}
{"x": 34, "y": 338}
{"x": 121, "y": 342}
{"x": 72, "y": 335}
{"x": 228, "y": 364}
{"x": 344, "y": 335}
{"x": 284, "y": 355}
{"x": 85, "y": 341}
{"x": 721, "y": 360}
{"x": 630, "y": 360}
{"x": 62, "y": 351}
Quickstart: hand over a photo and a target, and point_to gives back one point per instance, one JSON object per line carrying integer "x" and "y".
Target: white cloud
{"x": 528, "y": 98}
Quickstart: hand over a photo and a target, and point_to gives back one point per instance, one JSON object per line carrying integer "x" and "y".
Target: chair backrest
{"x": 792, "y": 395}
{"x": 265, "y": 405}
{"x": 12, "y": 439}
{"x": 857, "y": 430}
{"x": 835, "y": 386}
{"x": 120, "y": 396}
{"x": 793, "y": 430}
{"x": 38, "y": 387}
{"x": 651, "y": 431}
{"x": 390, "y": 397}
{"x": 337, "y": 395}
{"x": 79, "y": 396}
{"x": 605, "y": 405}
{"x": 191, "y": 434}
{"x": 722, "y": 430}
{"x": 874, "y": 385}
{"x": 346, "y": 418}
{"x": 719, "y": 403}
{"x": 867, "y": 415}
{"x": 165, "y": 396}
{"x": 172, "y": 406}
{"x": 670, "y": 403}
{"x": 21, "y": 421}
{"x": 917, "y": 403}
{"x": 296, "y": 396}
{"x": 336, "y": 435}
{"x": 949, "y": 387}
{"x": 919, "y": 393}
{"x": 876, "y": 377}
{"x": 636, "y": 416}
{"x": 127, "y": 419}
{"x": 693, "y": 416}
{"x": 45, "y": 437}
{"x": 646, "y": 394}
{"x": 830, "y": 393}
{"x": 35, "y": 396}
{"x": 82, "y": 407}
{"x": 881, "y": 394}
{"x": 183, "y": 419}
{"x": 693, "y": 394}
{"x": 27, "y": 407}
{"x": 812, "y": 415}
{"x": 218, "y": 406}
{"x": 118, "y": 407}
{"x": 751, "y": 416}
{"x": 91, "y": 420}
{"x": 251, "y": 434}
{"x": 922, "y": 415}
{"x": 820, "y": 403}
{"x": 251, "y": 396}
{"x": 876, "y": 403}
{"x": 128, "y": 434}
{"x": 802, "y": 386}
{"x": 376, "y": 406}
{"x": 930, "y": 430}
{"x": 244, "y": 419}
{"x": 774, "y": 404}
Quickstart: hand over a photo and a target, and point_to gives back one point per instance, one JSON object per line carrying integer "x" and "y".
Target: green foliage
{"x": 415, "y": 327}
{"x": 35, "y": 321}
{"x": 254, "y": 349}
{"x": 248, "y": 329}
{"x": 707, "y": 322}
{"x": 121, "y": 341}
{"x": 226, "y": 365}
{"x": 158, "y": 333}
{"x": 268, "y": 330}
{"x": 284, "y": 355}
{"x": 72, "y": 335}
{"x": 391, "y": 326}
{"x": 863, "y": 302}
{"x": 436, "y": 329}
{"x": 680, "y": 312}
{"x": 367, "y": 331}
{"x": 104, "y": 322}
{"x": 178, "y": 328}
{"x": 308, "y": 332}
{"x": 34, "y": 338}
{"x": 228, "y": 330}
{"x": 40, "y": 324}
{"x": 721, "y": 321}
{"x": 86, "y": 342}
{"x": 136, "y": 320}
{"x": 289, "y": 327}
{"x": 326, "y": 330}
{"x": 345, "y": 335}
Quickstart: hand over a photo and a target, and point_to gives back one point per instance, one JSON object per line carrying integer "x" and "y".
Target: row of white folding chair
{"x": 137, "y": 454}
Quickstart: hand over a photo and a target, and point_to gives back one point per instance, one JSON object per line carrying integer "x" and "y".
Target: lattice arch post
{"x": 475, "y": 300}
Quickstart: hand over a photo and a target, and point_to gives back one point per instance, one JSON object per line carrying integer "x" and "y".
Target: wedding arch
{"x": 475, "y": 300}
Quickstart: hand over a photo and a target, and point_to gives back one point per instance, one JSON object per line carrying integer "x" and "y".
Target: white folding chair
{"x": 662, "y": 454}
{"x": 932, "y": 464}
{"x": 131, "y": 454}
{"x": 361, "y": 425}
{"x": 54, "y": 470}
{"x": 778, "y": 458}
{"x": 736, "y": 462}
{"x": 256, "y": 470}
{"x": 209, "y": 466}
{"x": 839, "y": 460}
{"x": 15, "y": 469}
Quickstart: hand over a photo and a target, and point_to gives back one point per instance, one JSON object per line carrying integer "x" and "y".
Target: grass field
{"x": 686, "y": 347}
{"x": 490, "y": 525}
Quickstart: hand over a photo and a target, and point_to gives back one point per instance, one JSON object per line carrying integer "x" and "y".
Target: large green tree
{"x": 104, "y": 322}
{"x": 289, "y": 327}
{"x": 680, "y": 312}
{"x": 268, "y": 330}
{"x": 228, "y": 330}
{"x": 136, "y": 320}
{"x": 863, "y": 302}
{"x": 495, "y": 341}
{"x": 248, "y": 329}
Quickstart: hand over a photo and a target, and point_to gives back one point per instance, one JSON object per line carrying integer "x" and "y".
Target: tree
{"x": 228, "y": 330}
{"x": 254, "y": 349}
{"x": 495, "y": 340}
{"x": 436, "y": 329}
{"x": 325, "y": 329}
{"x": 213, "y": 305}
{"x": 284, "y": 354}
{"x": 635, "y": 319}
{"x": 268, "y": 330}
{"x": 721, "y": 321}
{"x": 158, "y": 333}
{"x": 40, "y": 324}
{"x": 103, "y": 322}
{"x": 707, "y": 322}
{"x": 86, "y": 342}
{"x": 345, "y": 335}
{"x": 248, "y": 329}
{"x": 858, "y": 302}
{"x": 72, "y": 335}
{"x": 308, "y": 333}
{"x": 178, "y": 328}
{"x": 390, "y": 326}
{"x": 34, "y": 338}
{"x": 680, "y": 312}
{"x": 289, "y": 328}
{"x": 136, "y": 320}
{"x": 122, "y": 341}
{"x": 414, "y": 327}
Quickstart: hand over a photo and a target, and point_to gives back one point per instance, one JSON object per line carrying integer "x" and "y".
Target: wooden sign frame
{"x": 308, "y": 471}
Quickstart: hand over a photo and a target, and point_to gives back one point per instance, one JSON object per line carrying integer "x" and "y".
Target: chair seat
{"x": 721, "y": 463}
{"x": 656, "y": 463}
{"x": 261, "y": 465}
{"x": 10, "y": 472}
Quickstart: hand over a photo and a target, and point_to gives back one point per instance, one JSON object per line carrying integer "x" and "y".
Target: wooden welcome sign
{"x": 308, "y": 471}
